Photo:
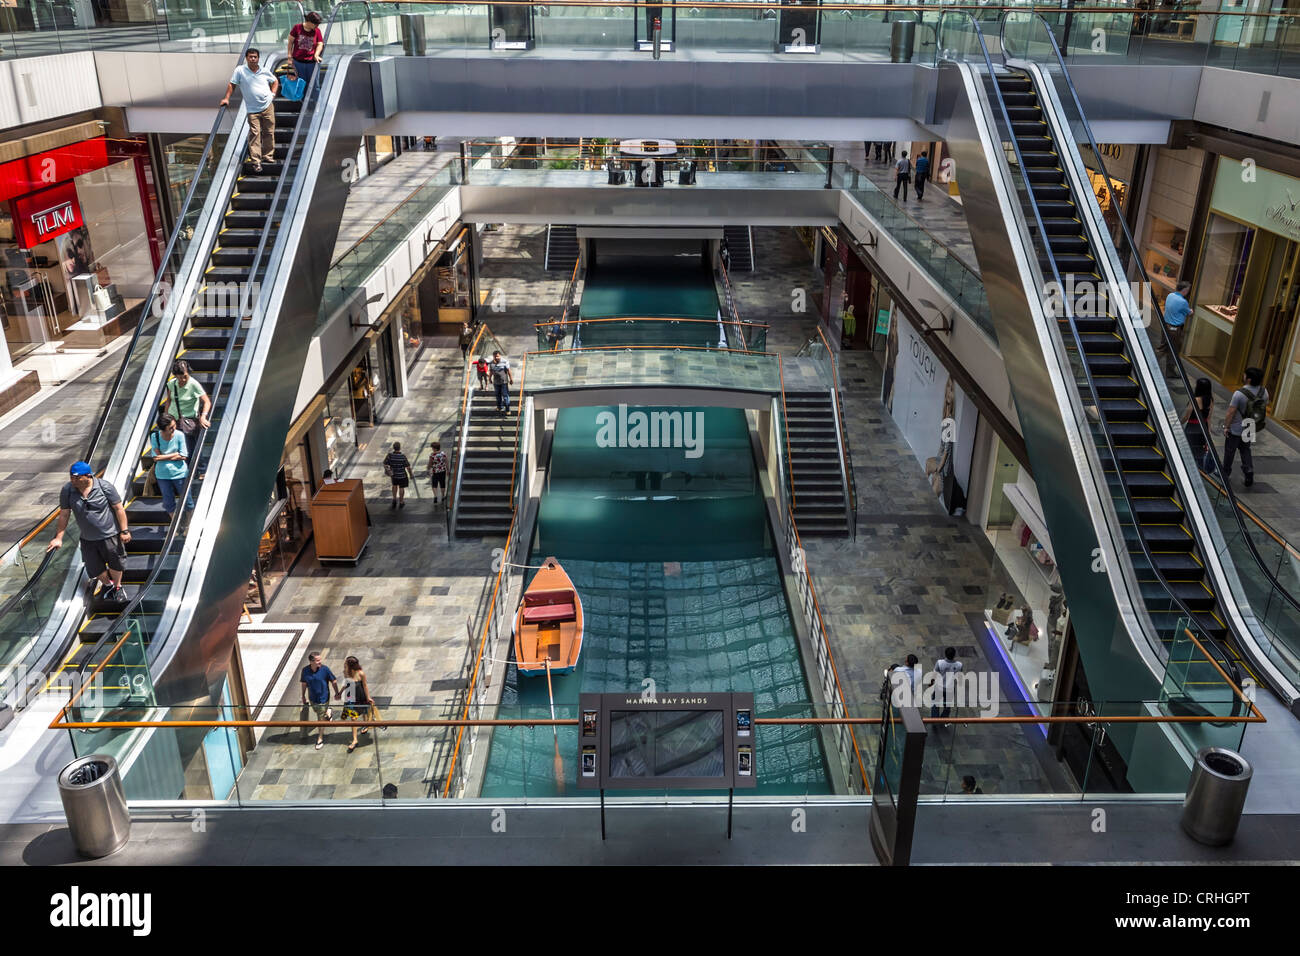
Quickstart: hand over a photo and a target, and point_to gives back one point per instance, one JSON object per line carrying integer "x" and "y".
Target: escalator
{"x": 1138, "y": 457}
{"x": 1088, "y": 392}
{"x": 211, "y": 345}
{"x": 240, "y": 305}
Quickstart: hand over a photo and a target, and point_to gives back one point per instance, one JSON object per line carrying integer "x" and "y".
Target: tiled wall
{"x": 1173, "y": 185}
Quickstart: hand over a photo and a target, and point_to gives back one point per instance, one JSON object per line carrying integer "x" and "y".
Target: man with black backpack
{"x": 1247, "y": 415}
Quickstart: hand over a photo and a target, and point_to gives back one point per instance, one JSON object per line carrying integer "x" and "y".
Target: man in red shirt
{"x": 305, "y": 45}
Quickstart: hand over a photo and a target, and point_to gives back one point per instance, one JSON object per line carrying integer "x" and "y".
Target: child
{"x": 438, "y": 471}
{"x": 481, "y": 367}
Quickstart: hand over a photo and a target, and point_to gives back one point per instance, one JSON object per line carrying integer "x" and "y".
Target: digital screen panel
{"x": 666, "y": 743}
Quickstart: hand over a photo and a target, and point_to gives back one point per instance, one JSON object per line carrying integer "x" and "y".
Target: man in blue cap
{"x": 101, "y": 519}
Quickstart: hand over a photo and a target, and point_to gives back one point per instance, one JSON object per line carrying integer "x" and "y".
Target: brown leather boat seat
{"x": 542, "y": 606}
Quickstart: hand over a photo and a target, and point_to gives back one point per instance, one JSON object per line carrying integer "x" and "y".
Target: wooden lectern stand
{"x": 338, "y": 515}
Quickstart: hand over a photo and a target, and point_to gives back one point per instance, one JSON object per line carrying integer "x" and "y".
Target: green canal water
{"x": 670, "y": 551}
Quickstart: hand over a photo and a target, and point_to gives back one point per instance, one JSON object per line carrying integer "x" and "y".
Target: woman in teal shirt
{"x": 171, "y": 462}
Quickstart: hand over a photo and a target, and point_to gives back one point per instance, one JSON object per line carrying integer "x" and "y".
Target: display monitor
{"x": 667, "y": 743}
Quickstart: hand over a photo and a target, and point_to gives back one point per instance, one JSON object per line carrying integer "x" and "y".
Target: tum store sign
{"x": 41, "y": 216}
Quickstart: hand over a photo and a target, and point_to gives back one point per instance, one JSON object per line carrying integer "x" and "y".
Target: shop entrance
{"x": 1276, "y": 319}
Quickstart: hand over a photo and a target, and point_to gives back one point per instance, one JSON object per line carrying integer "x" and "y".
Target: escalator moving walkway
{"x": 212, "y": 321}
{"x": 1139, "y": 459}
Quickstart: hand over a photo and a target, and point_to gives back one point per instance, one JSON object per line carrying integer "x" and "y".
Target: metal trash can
{"x": 902, "y": 41}
{"x": 95, "y": 805}
{"x": 412, "y": 27}
{"x": 1216, "y": 795}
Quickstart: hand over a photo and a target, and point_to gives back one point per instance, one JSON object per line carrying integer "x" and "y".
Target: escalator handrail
{"x": 1159, "y": 313}
{"x": 126, "y": 615}
{"x": 147, "y": 306}
{"x": 1177, "y": 602}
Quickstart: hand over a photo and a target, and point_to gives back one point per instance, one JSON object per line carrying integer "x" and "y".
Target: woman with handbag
{"x": 187, "y": 400}
{"x": 170, "y": 462}
{"x": 357, "y": 703}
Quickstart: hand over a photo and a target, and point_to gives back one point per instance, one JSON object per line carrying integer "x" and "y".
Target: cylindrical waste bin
{"x": 902, "y": 41}
{"x": 1216, "y": 795}
{"x": 412, "y": 29}
{"x": 95, "y": 805}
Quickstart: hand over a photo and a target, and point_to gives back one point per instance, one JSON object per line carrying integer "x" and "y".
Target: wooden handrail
{"x": 1252, "y": 516}
{"x": 478, "y": 662}
{"x": 878, "y": 7}
{"x": 830, "y": 654}
{"x": 651, "y": 318}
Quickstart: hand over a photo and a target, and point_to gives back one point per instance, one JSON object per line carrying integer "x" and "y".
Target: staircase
{"x": 212, "y": 321}
{"x": 482, "y": 504}
{"x": 561, "y": 247}
{"x": 820, "y": 506}
{"x": 740, "y": 247}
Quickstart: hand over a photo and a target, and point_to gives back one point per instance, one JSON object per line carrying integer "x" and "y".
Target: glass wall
{"x": 287, "y": 529}
{"x": 78, "y": 289}
{"x": 1246, "y": 293}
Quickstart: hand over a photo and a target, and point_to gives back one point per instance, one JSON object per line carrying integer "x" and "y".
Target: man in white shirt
{"x": 948, "y": 668}
{"x": 258, "y": 86}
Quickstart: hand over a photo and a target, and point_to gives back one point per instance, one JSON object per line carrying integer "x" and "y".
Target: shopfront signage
{"x": 41, "y": 216}
{"x": 1285, "y": 213}
{"x": 1265, "y": 199}
{"x": 22, "y": 176}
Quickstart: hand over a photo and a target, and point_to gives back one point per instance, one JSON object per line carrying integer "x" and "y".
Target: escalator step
{"x": 1105, "y": 343}
{"x": 1112, "y": 365}
{"x": 1063, "y": 226}
{"x": 222, "y": 317}
{"x": 1054, "y": 202}
{"x": 1116, "y": 386}
{"x": 1036, "y": 142}
{"x": 1124, "y": 410}
{"x": 1158, "y": 510}
{"x": 1019, "y": 114}
{"x": 258, "y": 184}
{"x": 1133, "y": 459}
{"x": 1167, "y": 623}
{"x": 1088, "y": 322}
{"x": 1029, "y": 129}
{"x": 1143, "y": 485}
{"x": 1168, "y": 537}
{"x": 234, "y": 274}
{"x": 1176, "y": 566}
{"x": 97, "y": 627}
{"x": 1040, "y": 160}
{"x": 216, "y": 339}
{"x": 137, "y": 567}
{"x": 232, "y": 238}
{"x": 1069, "y": 245}
{"x": 1195, "y": 595}
{"x": 1018, "y": 99}
{"x": 146, "y": 511}
{"x": 1083, "y": 267}
{"x": 245, "y": 202}
{"x": 1045, "y": 176}
{"x": 233, "y": 256}
{"x": 245, "y": 219}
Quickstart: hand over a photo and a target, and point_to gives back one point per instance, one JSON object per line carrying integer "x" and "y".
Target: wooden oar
{"x": 559, "y": 763}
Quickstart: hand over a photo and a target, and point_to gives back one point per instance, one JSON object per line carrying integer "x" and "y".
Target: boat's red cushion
{"x": 549, "y": 612}
{"x": 537, "y": 598}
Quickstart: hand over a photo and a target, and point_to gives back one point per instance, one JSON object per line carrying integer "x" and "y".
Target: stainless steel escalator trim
{"x": 196, "y": 551}
{"x": 1114, "y": 550}
{"x": 1209, "y": 537}
{"x": 70, "y": 607}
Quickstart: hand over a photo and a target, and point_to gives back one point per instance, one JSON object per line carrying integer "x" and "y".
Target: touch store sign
{"x": 46, "y": 214}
